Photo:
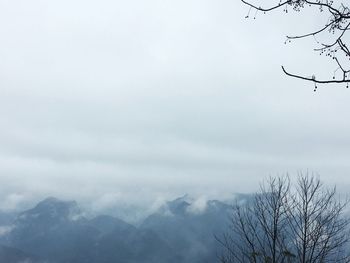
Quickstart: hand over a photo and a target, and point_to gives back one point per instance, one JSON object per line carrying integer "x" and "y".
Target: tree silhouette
{"x": 258, "y": 228}
{"x": 301, "y": 223}
{"x": 316, "y": 222}
{"x": 337, "y": 26}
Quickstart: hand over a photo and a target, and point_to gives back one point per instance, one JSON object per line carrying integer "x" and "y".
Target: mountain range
{"x": 55, "y": 231}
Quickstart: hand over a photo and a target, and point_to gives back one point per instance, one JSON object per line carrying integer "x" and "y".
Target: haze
{"x": 142, "y": 101}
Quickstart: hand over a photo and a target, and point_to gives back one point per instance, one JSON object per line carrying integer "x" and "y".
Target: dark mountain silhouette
{"x": 55, "y": 230}
{"x": 188, "y": 231}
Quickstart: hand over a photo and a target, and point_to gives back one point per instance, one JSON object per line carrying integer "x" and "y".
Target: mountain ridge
{"x": 179, "y": 231}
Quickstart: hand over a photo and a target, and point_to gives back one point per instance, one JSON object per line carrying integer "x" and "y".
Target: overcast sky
{"x": 134, "y": 100}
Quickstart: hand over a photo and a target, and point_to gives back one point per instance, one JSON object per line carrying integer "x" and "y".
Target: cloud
{"x": 12, "y": 202}
{"x": 144, "y": 101}
{"x": 198, "y": 206}
{"x": 5, "y": 230}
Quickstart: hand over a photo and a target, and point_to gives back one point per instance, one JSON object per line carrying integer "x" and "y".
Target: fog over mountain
{"x": 127, "y": 126}
{"x": 57, "y": 231}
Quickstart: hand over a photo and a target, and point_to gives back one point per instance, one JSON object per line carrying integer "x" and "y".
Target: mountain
{"x": 107, "y": 224}
{"x": 189, "y": 230}
{"x": 13, "y": 255}
{"x": 182, "y": 230}
{"x": 6, "y": 218}
{"x": 56, "y": 231}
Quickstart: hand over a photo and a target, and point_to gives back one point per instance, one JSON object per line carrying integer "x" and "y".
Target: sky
{"x": 139, "y": 101}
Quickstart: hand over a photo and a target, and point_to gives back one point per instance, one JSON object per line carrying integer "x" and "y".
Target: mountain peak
{"x": 179, "y": 205}
{"x": 53, "y": 202}
{"x": 49, "y": 210}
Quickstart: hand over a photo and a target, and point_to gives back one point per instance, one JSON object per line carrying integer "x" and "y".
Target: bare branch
{"x": 337, "y": 25}
{"x": 313, "y": 79}
{"x": 266, "y": 9}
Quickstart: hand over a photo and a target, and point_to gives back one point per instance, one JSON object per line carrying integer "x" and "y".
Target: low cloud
{"x": 122, "y": 102}
{"x": 198, "y": 206}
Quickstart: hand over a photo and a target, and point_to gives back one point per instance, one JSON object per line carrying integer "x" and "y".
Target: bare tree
{"x": 317, "y": 222}
{"x": 258, "y": 227}
{"x": 303, "y": 224}
{"x": 337, "y": 26}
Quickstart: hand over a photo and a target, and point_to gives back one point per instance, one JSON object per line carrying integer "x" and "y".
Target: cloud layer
{"x": 142, "y": 100}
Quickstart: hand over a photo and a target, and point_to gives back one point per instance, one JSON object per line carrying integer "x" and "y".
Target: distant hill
{"x": 190, "y": 230}
{"x": 182, "y": 230}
